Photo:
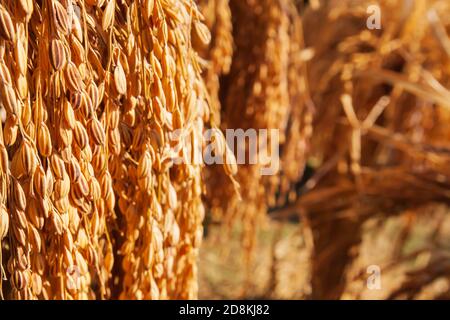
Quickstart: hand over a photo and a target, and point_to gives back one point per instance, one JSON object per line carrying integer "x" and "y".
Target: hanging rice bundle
{"x": 218, "y": 54}
{"x": 104, "y": 107}
{"x": 265, "y": 89}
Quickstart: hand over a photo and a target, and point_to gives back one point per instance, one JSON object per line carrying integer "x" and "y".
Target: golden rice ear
{"x": 10, "y": 130}
{"x": 7, "y": 30}
{"x": 4, "y": 222}
{"x": 120, "y": 79}
{"x": 148, "y": 8}
{"x": 91, "y": 96}
{"x": 108, "y": 15}
{"x": 60, "y": 17}
{"x": 73, "y": 78}
{"x": 202, "y": 32}
{"x": 27, "y": 6}
{"x": 21, "y": 57}
{"x": 57, "y": 54}
{"x": 9, "y": 99}
{"x": 44, "y": 141}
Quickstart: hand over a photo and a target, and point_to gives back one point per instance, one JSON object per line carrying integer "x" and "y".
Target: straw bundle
{"x": 381, "y": 122}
